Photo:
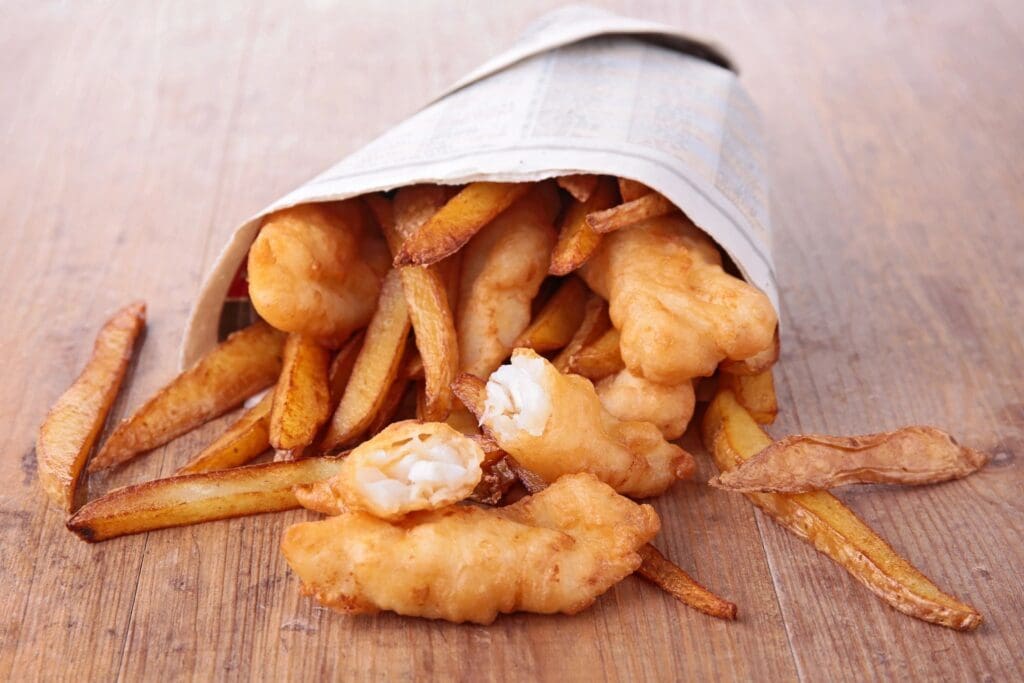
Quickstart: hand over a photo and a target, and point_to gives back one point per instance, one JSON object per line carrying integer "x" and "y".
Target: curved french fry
{"x": 73, "y": 424}
{"x": 645, "y": 207}
{"x": 732, "y": 437}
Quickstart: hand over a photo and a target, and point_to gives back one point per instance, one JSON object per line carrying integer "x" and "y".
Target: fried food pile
{"x": 472, "y": 383}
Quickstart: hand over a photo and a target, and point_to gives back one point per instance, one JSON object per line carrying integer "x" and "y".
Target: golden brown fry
{"x": 556, "y": 323}
{"x": 302, "y": 399}
{"x": 732, "y": 437}
{"x": 631, "y": 189}
{"x": 656, "y": 568}
{"x": 578, "y": 530}
{"x": 576, "y": 240}
{"x": 195, "y": 498}
{"x": 651, "y": 205}
{"x": 670, "y": 578}
{"x": 426, "y": 295}
{"x": 375, "y": 368}
{"x": 598, "y": 359}
{"x": 756, "y": 393}
{"x": 392, "y": 400}
{"x": 502, "y": 271}
{"x": 455, "y": 223}
{"x": 247, "y": 362}
{"x": 801, "y": 463}
{"x": 243, "y": 441}
{"x": 72, "y": 426}
{"x": 316, "y": 269}
{"x": 595, "y": 323}
{"x": 756, "y": 364}
{"x": 580, "y": 185}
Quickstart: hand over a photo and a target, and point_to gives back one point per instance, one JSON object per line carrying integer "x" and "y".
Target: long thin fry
{"x": 801, "y": 463}
{"x": 576, "y": 240}
{"x": 375, "y": 368}
{"x": 580, "y": 185}
{"x": 72, "y": 426}
{"x": 648, "y": 206}
{"x": 732, "y": 437}
{"x": 247, "y": 362}
{"x": 195, "y": 498}
{"x": 302, "y": 399}
{"x": 656, "y": 568}
{"x": 452, "y": 226}
{"x": 243, "y": 441}
{"x": 556, "y": 323}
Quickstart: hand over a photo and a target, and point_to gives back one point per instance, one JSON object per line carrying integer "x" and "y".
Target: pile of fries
{"x": 403, "y": 306}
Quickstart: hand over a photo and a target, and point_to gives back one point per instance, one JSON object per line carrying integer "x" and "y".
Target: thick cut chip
{"x": 502, "y": 271}
{"x": 554, "y": 425}
{"x": 598, "y": 359}
{"x": 302, "y": 399}
{"x": 797, "y": 464}
{"x": 555, "y": 324}
{"x": 73, "y": 424}
{"x": 457, "y": 221}
{"x": 375, "y": 368}
{"x": 243, "y": 441}
{"x": 247, "y": 362}
{"x": 756, "y": 393}
{"x": 556, "y": 551}
{"x": 595, "y": 323}
{"x": 732, "y": 437}
{"x": 580, "y": 185}
{"x": 196, "y": 498}
{"x": 651, "y": 205}
{"x": 576, "y": 240}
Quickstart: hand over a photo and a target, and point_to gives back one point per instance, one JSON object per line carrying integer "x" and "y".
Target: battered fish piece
{"x": 409, "y": 466}
{"x": 679, "y": 313}
{"x": 554, "y": 424}
{"x": 316, "y": 270}
{"x": 502, "y": 269}
{"x": 630, "y": 397}
{"x": 556, "y": 551}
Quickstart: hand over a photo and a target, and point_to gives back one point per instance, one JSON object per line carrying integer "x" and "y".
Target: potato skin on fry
{"x": 553, "y": 552}
{"x": 243, "y": 441}
{"x": 821, "y": 519}
{"x": 196, "y": 498}
{"x": 577, "y": 241}
{"x": 72, "y": 426}
{"x": 302, "y": 398}
{"x": 315, "y": 269}
{"x": 812, "y": 462}
{"x": 245, "y": 363}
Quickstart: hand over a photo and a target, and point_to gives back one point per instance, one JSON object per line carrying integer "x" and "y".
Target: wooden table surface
{"x": 136, "y": 135}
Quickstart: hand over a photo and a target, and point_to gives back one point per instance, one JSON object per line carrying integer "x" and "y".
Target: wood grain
{"x": 136, "y": 135}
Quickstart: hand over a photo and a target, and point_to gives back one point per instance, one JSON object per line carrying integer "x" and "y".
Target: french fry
{"x": 631, "y": 189}
{"x": 801, "y": 463}
{"x": 243, "y": 441}
{"x": 599, "y": 358}
{"x": 457, "y": 221}
{"x": 302, "y": 398}
{"x": 576, "y": 240}
{"x": 426, "y": 294}
{"x": 756, "y": 393}
{"x": 580, "y": 185}
{"x": 196, "y": 498}
{"x": 556, "y": 323}
{"x": 246, "y": 362}
{"x": 756, "y": 364}
{"x": 670, "y": 578}
{"x": 68, "y": 434}
{"x": 655, "y": 567}
{"x": 375, "y": 368}
{"x": 732, "y": 437}
{"x": 650, "y": 205}
{"x": 595, "y": 323}
{"x": 392, "y": 400}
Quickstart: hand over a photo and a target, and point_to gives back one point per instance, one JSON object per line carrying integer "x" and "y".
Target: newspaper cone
{"x": 583, "y": 91}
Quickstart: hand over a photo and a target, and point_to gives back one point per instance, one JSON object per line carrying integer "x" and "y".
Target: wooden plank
{"x": 136, "y": 136}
